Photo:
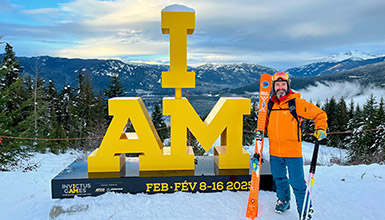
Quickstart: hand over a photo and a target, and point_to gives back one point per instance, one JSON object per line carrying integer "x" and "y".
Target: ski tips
{"x": 251, "y": 215}
{"x": 252, "y": 209}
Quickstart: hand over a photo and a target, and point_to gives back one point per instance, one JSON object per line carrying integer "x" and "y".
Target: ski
{"x": 264, "y": 95}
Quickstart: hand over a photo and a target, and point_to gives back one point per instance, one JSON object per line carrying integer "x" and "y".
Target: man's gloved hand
{"x": 320, "y": 134}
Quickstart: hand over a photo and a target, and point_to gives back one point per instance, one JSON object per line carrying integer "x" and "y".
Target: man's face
{"x": 280, "y": 88}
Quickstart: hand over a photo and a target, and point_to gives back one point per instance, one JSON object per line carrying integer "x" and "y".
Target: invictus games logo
{"x": 78, "y": 188}
{"x": 265, "y": 84}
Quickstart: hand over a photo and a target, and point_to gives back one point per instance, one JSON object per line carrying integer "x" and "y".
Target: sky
{"x": 275, "y": 33}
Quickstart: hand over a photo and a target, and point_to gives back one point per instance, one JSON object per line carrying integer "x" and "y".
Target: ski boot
{"x": 282, "y": 206}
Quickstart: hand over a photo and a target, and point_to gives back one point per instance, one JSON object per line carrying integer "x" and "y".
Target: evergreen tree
{"x": 379, "y": 144}
{"x": 351, "y": 109}
{"x": 348, "y": 136}
{"x": 10, "y": 70}
{"x": 355, "y": 141}
{"x": 307, "y": 126}
{"x": 11, "y": 66}
{"x": 369, "y": 112}
{"x": 192, "y": 141}
{"x": 56, "y": 124}
{"x": 341, "y": 124}
{"x": 85, "y": 107}
{"x": 115, "y": 87}
{"x": 330, "y": 108}
{"x": 11, "y": 150}
{"x": 12, "y": 98}
{"x": 249, "y": 125}
{"x": 52, "y": 98}
{"x": 37, "y": 123}
{"x": 159, "y": 123}
{"x": 68, "y": 115}
{"x": 101, "y": 123}
{"x": 362, "y": 144}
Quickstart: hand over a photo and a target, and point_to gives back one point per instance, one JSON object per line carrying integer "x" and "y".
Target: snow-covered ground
{"x": 339, "y": 192}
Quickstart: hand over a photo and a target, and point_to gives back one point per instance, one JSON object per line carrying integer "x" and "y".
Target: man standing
{"x": 286, "y": 110}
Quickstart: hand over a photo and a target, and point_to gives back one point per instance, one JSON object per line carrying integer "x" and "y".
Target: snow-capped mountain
{"x": 336, "y": 63}
{"x": 353, "y": 55}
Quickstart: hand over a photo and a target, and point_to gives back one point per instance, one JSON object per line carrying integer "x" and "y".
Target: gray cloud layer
{"x": 278, "y": 33}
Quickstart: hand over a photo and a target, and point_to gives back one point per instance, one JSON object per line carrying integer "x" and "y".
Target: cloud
{"x": 102, "y": 28}
{"x": 314, "y": 29}
{"x": 50, "y": 12}
{"x": 115, "y": 45}
{"x": 349, "y": 90}
{"x": 277, "y": 32}
{"x": 101, "y": 13}
{"x": 5, "y": 6}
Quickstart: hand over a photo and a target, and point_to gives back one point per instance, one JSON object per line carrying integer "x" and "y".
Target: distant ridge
{"x": 336, "y": 63}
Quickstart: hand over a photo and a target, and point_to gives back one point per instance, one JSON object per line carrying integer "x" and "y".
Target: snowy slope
{"x": 340, "y": 192}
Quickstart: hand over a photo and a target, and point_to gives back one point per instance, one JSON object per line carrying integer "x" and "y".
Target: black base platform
{"x": 74, "y": 180}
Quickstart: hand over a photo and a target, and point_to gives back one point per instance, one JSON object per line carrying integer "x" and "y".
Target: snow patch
{"x": 178, "y": 8}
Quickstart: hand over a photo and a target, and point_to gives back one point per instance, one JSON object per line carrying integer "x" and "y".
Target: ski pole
{"x": 310, "y": 182}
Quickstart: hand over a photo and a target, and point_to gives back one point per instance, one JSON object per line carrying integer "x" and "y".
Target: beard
{"x": 280, "y": 93}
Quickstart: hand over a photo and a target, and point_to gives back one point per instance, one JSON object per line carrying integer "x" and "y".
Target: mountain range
{"x": 139, "y": 79}
{"x": 369, "y": 75}
{"x": 335, "y": 63}
{"x": 212, "y": 80}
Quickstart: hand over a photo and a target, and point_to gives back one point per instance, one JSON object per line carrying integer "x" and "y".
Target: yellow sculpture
{"x": 110, "y": 157}
{"x": 178, "y": 25}
{"x": 225, "y": 119}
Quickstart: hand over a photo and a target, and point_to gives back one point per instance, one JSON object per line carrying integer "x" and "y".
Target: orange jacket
{"x": 283, "y": 127}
